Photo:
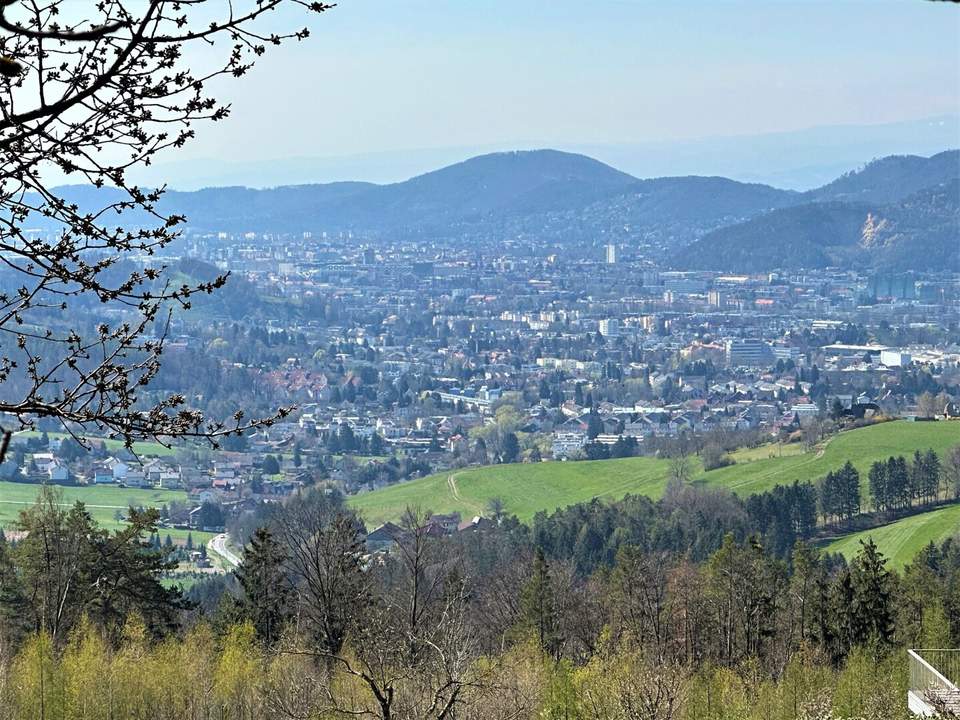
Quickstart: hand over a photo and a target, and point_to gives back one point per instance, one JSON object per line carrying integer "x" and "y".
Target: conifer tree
{"x": 828, "y": 496}
{"x": 878, "y": 487}
{"x": 537, "y": 608}
{"x": 266, "y": 590}
{"x": 899, "y": 491}
{"x": 13, "y": 603}
{"x": 872, "y": 605}
{"x": 849, "y": 491}
{"x": 931, "y": 476}
{"x": 840, "y": 633}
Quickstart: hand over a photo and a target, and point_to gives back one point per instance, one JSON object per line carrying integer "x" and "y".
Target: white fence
{"x": 934, "y": 680}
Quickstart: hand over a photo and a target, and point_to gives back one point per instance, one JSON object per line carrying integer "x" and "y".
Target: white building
{"x": 567, "y": 443}
{"x": 748, "y": 353}
{"x": 803, "y": 410}
{"x": 610, "y": 327}
{"x": 895, "y": 358}
{"x": 785, "y": 352}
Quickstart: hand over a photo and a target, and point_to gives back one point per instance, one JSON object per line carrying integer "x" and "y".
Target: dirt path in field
{"x": 455, "y": 493}
{"x": 823, "y": 448}
{"x": 452, "y": 484}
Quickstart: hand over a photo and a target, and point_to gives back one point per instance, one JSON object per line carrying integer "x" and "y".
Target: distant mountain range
{"x": 795, "y": 159}
{"x": 885, "y": 213}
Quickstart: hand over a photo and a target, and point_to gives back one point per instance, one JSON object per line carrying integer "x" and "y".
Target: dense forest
{"x": 637, "y": 609}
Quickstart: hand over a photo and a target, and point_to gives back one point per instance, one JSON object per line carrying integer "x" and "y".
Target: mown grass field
{"x": 862, "y": 447}
{"x": 527, "y": 489}
{"x": 102, "y": 501}
{"x": 900, "y": 541}
{"x": 144, "y": 449}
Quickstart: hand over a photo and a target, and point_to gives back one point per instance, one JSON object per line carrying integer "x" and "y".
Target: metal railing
{"x": 934, "y": 681}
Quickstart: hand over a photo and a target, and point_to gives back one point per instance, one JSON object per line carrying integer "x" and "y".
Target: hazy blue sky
{"x": 381, "y": 75}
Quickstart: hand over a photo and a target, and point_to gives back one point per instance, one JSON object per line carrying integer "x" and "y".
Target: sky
{"x": 382, "y": 76}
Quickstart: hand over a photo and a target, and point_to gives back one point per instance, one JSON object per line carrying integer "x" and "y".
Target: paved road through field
{"x": 218, "y": 546}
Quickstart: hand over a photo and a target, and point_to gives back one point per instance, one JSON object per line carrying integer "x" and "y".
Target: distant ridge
{"x": 574, "y": 200}
{"x": 900, "y": 212}
{"x": 799, "y": 159}
{"x": 891, "y": 178}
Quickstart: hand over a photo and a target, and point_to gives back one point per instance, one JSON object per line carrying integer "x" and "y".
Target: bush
{"x": 714, "y": 457}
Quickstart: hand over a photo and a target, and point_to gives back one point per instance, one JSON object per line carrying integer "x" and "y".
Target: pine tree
{"x": 536, "y": 603}
{"x": 511, "y": 448}
{"x": 899, "y": 492}
{"x": 827, "y": 491}
{"x": 849, "y": 491}
{"x": 872, "y": 605}
{"x": 902, "y": 481}
{"x": 917, "y": 476}
{"x": 594, "y": 425}
{"x": 13, "y": 603}
{"x": 544, "y": 390}
{"x": 839, "y": 637}
{"x": 266, "y": 591}
{"x": 878, "y": 487}
{"x": 932, "y": 463}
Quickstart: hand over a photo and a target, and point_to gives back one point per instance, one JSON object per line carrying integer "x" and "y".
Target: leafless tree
{"x": 411, "y": 652}
{"x": 639, "y": 588}
{"x": 88, "y": 91}
{"x": 680, "y": 471}
{"x": 950, "y": 472}
{"x": 420, "y": 573}
{"x": 325, "y": 563}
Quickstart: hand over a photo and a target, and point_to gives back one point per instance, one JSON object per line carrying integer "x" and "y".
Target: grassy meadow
{"x": 102, "y": 502}
{"x": 900, "y": 541}
{"x": 529, "y": 488}
{"x": 143, "y": 449}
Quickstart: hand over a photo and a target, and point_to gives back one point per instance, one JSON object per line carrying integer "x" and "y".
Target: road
{"x": 218, "y": 546}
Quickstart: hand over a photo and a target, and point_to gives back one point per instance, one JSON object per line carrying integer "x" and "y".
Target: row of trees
{"x": 788, "y": 513}
{"x": 896, "y": 484}
{"x": 839, "y": 494}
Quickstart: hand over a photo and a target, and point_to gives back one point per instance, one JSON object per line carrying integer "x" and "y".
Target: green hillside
{"x": 525, "y": 489}
{"x": 528, "y": 488}
{"x": 862, "y": 447}
{"x": 900, "y": 541}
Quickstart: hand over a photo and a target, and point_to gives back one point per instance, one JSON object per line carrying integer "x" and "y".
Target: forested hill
{"x": 570, "y": 199}
{"x": 919, "y": 232}
{"x": 891, "y": 179}
{"x": 567, "y": 197}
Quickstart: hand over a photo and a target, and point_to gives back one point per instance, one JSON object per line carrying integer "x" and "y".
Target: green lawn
{"x": 525, "y": 489}
{"x": 900, "y": 541}
{"x": 528, "y": 488}
{"x": 765, "y": 452}
{"x": 102, "y": 501}
{"x": 145, "y": 449}
{"x": 862, "y": 447}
